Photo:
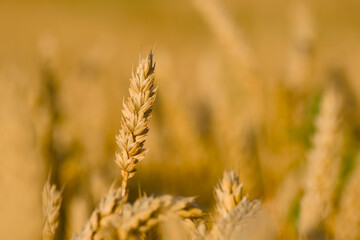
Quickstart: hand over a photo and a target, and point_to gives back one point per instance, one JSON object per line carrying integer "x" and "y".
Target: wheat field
{"x": 201, "y": 120}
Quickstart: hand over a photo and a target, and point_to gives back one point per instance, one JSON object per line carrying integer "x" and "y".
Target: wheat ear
{"x": 323, "y": 166}
{"x": 51, "y": 199}
{"x": 134, "y": 123}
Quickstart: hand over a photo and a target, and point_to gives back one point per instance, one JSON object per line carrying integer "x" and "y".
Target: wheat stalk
{"x": 134, "y": 123}
{"x": 51, "y": 199}
{"x": 323, "y": 166}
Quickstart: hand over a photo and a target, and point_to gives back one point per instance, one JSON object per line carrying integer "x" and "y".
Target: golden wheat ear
{"x": 51, "y": 200}
{"x": 136, "y": 115}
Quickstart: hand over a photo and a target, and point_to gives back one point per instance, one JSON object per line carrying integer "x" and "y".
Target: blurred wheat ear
{"x": 134, "y": 123}
{"x": 51, "y": 199}
{"x": 323, "y": 167}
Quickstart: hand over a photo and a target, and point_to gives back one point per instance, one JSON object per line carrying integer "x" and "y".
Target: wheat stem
{"x": 124, "y": 184}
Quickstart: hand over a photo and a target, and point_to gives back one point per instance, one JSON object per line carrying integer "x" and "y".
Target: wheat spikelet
{"x": 51, "y": 199}
{"x": 195, "y": 230}
{"x": 323, "y": 165}
{"x": 108, "y": 206}
{"x": 348, "y": 219}
{"x": 136, "y": 115}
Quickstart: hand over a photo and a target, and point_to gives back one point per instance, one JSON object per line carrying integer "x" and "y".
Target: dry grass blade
{"x": 51, "y": 199}
{"x": 136, "y": 115}
{"x": 323, "y": 167}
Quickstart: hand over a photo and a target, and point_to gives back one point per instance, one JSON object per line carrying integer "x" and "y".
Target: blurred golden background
{"x": 240, "y": 84}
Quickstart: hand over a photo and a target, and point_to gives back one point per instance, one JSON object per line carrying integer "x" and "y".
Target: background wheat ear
{"x": 51, "y": 199}
{"x": 322, "y": 167}
{"x": 134, "y": 123}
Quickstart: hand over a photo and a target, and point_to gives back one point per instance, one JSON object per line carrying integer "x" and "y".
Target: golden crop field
{"x": 197, "y": 119}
